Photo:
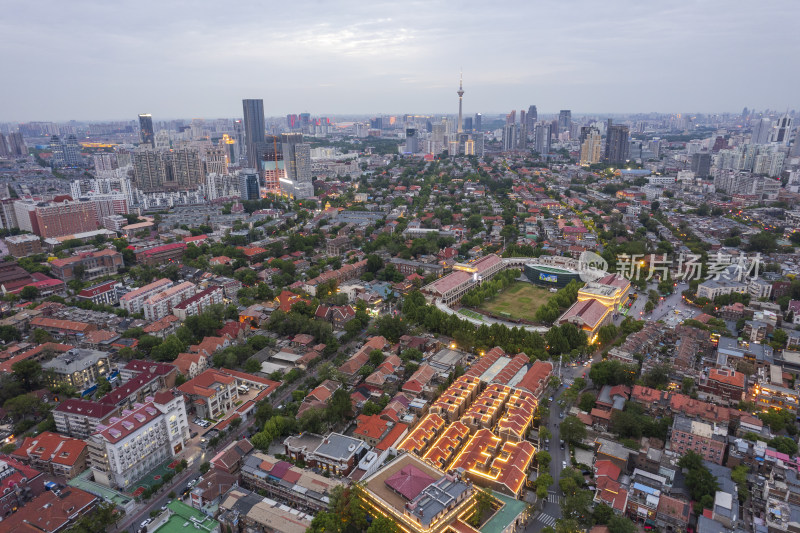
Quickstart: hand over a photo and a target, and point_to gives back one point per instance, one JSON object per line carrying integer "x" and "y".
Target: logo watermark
{"x": 687, "y": 267}
{"x": 591, "y": 266}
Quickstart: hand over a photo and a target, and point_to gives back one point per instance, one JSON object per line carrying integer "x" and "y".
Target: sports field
{"x": 520, "y": 300}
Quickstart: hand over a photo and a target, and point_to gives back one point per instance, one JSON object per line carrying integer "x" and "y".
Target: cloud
{"x": 88, "y": 59}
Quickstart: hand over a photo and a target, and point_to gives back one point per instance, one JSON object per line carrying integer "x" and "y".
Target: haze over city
{"x": 91, "y": 60}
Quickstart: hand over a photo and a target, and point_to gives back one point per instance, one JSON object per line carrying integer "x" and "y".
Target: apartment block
{"x": 196, "y": 304}
{"x": 80, "y": 418}
{"x": 160, "y": 304}
{"x": 133, "y": 302}
{"x": 88, "y": 266}
{"x": 79, "y": 368}
{"x": 705, "y": 439}
{"x": 143, "y": 438}
{"x": 23, "y": 245}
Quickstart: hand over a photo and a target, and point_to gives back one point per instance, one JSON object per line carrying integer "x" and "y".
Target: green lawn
{"x": 520, "y": 300}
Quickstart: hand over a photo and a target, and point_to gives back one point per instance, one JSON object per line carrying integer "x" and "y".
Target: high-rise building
{"x": 105, "y": 162}
{"x": 238, "y": 140}
{"x": 412, "y": 141}
{"x": 617, "y": 145}
{"x": 478, "y": 117}
{"x": 16, "y": 144}
{"x": 66, "y": 153}
{"x": 272, "y": 167}
{"x": 4, "y": 150}
{"x": 297, "y": 165}
{"x": 292, "y": 121}
{"x": 781, "y": 131}
{"x": 216, "y": 159}
{"x": 531, "y": 117}
{"x": 305, "y": 121}
{"x": 149, "y": 169}
{"x": 57, "y": 219}
{"x": 146, "y": 132}
{"x": 468, "y": 126}
{"x": 509, "y": 137}
{"x": 701, "y": 164}
{"x": 187, "y": 169}
{"x": 253, "y": 110}
{"x": 248, "y": 184}
{"x": 761, "y": 130}
{"x": 564, "y": 120}
{"x": 541, "y": 138}
{"x": 592, "y": 148}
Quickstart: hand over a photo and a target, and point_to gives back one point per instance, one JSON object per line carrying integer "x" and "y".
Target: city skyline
{"x": 603, "y": 59}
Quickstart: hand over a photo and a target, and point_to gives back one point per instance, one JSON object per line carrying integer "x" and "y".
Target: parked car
{"x": 563, "y": 464}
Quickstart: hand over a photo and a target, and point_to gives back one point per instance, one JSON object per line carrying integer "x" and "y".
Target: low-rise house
{"x": 53, "y": 453}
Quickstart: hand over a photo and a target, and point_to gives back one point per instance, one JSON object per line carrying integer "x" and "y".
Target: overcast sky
{"x": 97, "y": 60}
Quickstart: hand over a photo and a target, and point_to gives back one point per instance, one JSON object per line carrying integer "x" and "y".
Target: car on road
{"x": 561, "y": 444}
{"x": 551, "y": 398}
{"x": 563, "y": 464}
{"x": 164, "y": 507}
{"x": 561, "y": 414}
{"x": 144, "y": 524}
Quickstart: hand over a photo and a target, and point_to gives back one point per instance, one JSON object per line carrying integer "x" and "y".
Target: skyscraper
{"x": 4, "y": 151}
{"x": 761, "y": 131}
{"x": 530, "y": 118}
{"x": 564, "y": 120}
{"x": 509, "y": 137}
{"x": 297, "y": 163}
{"x": 271, "y": 159}
{"x": 248, "y": 184}
{"x": 187, "y": 168}
{"x": 412, "y": 141}
{"x": 591, "y": 147}
{"x": 66, "y": 153}
{"x": 460, "y": 93}
{"x": 701, "y": 164}
{"x": 781, "y": 130}
{"x": 478, "y": 118}
{"x": 616, "y": 144}
{"x": 16, "y": 144}
{"x": 146, "y": 133}
{"x": 253, "y": 112}
{"x": 541, "y": 138}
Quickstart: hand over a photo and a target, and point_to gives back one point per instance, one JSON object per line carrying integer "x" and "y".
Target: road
{"x": 665, "y": 310}
{"x": 550, "y": 511}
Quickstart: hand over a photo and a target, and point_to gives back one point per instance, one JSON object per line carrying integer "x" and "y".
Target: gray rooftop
{"x": 74, "y": 360}
{"x": 339, "y": 447}
{"x": 436, "y": 497}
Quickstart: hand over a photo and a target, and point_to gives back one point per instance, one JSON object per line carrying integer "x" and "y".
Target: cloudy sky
{"x": 96, "y": 60}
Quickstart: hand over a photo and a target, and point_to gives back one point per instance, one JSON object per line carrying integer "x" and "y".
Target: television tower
{"x": 460, "y": 98}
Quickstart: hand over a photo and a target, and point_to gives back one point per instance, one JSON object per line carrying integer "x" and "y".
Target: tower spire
{"x": 460, "y": 98}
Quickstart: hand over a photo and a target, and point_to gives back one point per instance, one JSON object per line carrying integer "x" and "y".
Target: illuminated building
{"x": 490, "y": 462}
{"x": 447, "y": 445}
{"x": 452, "y": 403}
{"x": 423, "y": 434}
{"x": 297, "y": 165}
{"x": 146, "y": 132}
{"x": 611, "y": 290}
{"x": 485, "y": 411}
{"x": 140, "y": 440}
{"x": 253, "y": 111}
{"x": 588, "y": 315}
{"x": 516, "y": 421}
{"x": 417, "y": 497}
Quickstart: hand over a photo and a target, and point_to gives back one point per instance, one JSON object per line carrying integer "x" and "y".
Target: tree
{"x": 587, "y": 402}
{"x": 10, "y": 334}
{"x": 577, "y": 507}
{"x": 572, "y": 429}
{"x": 383, "y": 524}
{"x": 41, "y": 336}
{"x": 204, "y": 467}
{"x": 29, "y": 293}
{"x": 103, "y": 387}
{"x": 23, "y": 406}
{"x": 602, "y": 514}
{"x": 252, "y": 365}
{"x": 785, "y": 445}
{"x": 28, "y": 373}
{"x": 621, "y": 524}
